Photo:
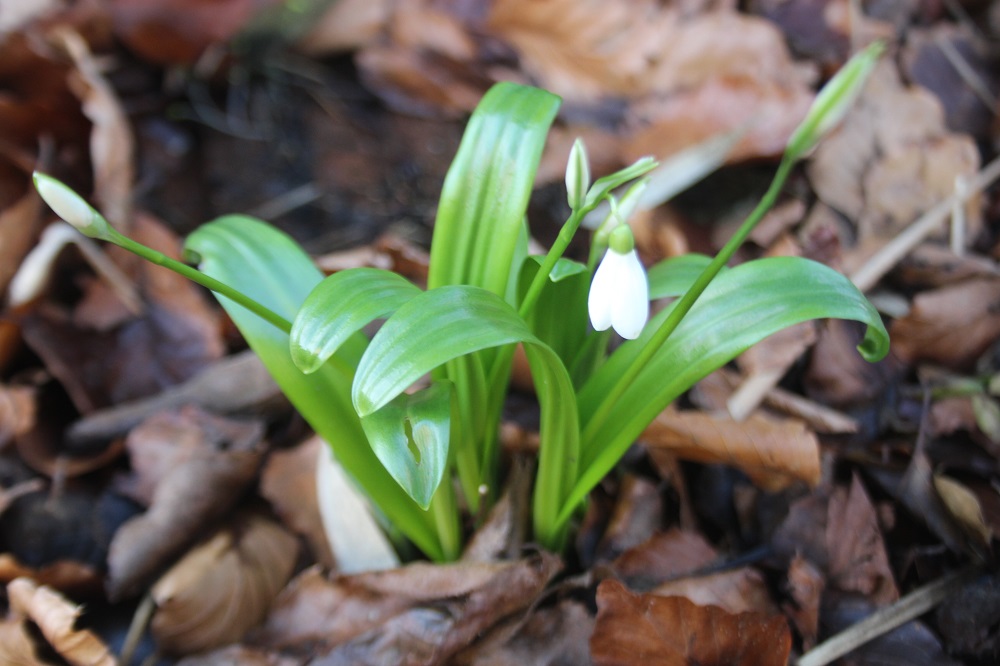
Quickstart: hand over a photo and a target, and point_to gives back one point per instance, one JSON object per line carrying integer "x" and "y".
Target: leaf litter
{"x": 839, "y": 491}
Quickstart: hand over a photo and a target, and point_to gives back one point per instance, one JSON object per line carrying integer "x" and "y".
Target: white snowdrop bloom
{"x": 619, "y": 294}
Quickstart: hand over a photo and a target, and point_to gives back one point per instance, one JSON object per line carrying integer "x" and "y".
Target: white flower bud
{"x": 577, "y": 175}
{"x": 71, "y": 207}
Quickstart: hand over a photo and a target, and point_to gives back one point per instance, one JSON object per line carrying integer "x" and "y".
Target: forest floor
{"x": 158, "y": 502}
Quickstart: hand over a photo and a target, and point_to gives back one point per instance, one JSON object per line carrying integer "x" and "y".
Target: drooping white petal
{"x": 619, "y": 295}
{"x": 602, "y": 293}
{"x": 630, "y": 308}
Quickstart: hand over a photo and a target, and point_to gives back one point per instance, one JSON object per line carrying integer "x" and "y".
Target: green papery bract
{"x": 447, "y": 323}
{"x": 340, "y": 306}
{"x": 738, "y": 309}
{"x": 271, "y": 268}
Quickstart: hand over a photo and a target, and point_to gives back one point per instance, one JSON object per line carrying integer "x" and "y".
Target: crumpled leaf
{"x": 194, "y": 468}
{"x": 288, "y": 482}
{"x": 671, "y": 563}
{"x": 223, "y": 587}
{"x": 56, "y": 619}
{"x": 642, "y": 629}
{"x": 238, "y": 655}
{"x": 950, "y": 326}
{"x": 771, "y": 451}
{"x": 839, "y": 532}
{"x": 424, "y": 611}
{"x": 891, "y": 160}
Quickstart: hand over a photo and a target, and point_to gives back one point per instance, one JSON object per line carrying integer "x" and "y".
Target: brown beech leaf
{"x": 223, "y": 587}
{"x": 549, "y": 637}
{"x": 16, "y": 646}
{"x": 633, "y": 630}
{"x": 837, "y": 375}
{"x": 238, "y": 655}
{"x": 772, "y": 452}
{"x": 288, "y": 482}
{"x": 111, "y": 141}
{"x": 56, "y": 619}
{"x": 20, "y": 225}
{"x": 177, "y": 32}
{"x": 637, "y": 515}
{"x": 424, "y": 611}
{"x": 103, "y": 354}
{"x": 805, "y": 585}
{"x": 892, "y": 159}
{"x": 199, "y": 466}
{"x": 839, "y": 532}
{"x": 950, "y": 326}
{"x": 17, "y": 411}
{"x": 671, "y": 564}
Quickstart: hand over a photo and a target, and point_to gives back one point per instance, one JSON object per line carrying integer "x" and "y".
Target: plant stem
{"x": 555, "y": 252}
{"x": 684, "y": 305}
{"x": 193, "y": 274}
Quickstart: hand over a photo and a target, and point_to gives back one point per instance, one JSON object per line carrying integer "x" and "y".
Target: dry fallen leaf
{"x": 420, "y": 613}
{"x": 198, "y": 467}
{"x": 288, "y": 482}
{"x": 805, "y": 586}
{"x": 223, "y": 587}
{"x": 892, "y": 159}
{"x": 633, "y": 630}
{"x": 773, "y": 452}
{"x": 16, "y": 645}
{"x": 950, "y": 326}
{"x": 839, "y": 532}
{"x": 238, "y": 655}
{"x": 964, "y": 505}
{"x": 56, "y": 619}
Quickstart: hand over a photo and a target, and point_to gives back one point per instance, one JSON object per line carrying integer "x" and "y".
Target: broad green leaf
{"x": 410, "y": 437}
{"x": 674, "y": 276}
{"x": 446, "y": 323}
{"x": 269, "y": 266}
{"x": 340, "y": 306}
{"x": 739, "y": 308}
{"x": 486, "y": 191}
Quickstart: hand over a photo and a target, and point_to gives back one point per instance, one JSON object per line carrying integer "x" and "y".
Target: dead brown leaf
{"x": 839, "y": 532}
{"x": 56, "y": 619}
{"x": 177, "y": 32}
{"x": 17, "y": 411}
{"x": 103, "y": 354}
{"x": 637, "y": 515}
{"x": 550, "y": 637}
{"x": 288, "y": 482}
{"x": 805, "y": 585}
{"x": 223, "y": 587}
{"x": 837, "y": 375}
{"x": 648, "y": 629}
{"x": 673, "y": 563}
{"x": 892, "y": 159}
{"x": 238, "y": 655}
{"x": 951, "y": 326}
{"x": 196, "y": 468}
{"x": 20, "y": 225}
{"x": 965, "y": 506}
{"x": 418, "y": 614}
{"x": 16, "y": 646}
{"x": 111, "y": 141}
{"x": 773, "y": 452}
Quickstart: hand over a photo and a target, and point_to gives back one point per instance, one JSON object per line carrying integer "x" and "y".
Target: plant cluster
{"x": 422, "y": 454}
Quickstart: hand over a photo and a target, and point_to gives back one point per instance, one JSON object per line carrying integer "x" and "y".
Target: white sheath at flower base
{"x": 619, "y": 294}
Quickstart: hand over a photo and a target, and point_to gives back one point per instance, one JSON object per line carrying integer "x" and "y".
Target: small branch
{"x": 882, "y": 621}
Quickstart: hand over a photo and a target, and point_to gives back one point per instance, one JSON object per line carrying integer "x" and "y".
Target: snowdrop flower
{"x": 619, "y": 294}
{"x": 71, "y": 207}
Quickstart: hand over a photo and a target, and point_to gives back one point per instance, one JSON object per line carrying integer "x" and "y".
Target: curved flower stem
{"x": 689, "y": 298}
{"x": 566, "y": 234}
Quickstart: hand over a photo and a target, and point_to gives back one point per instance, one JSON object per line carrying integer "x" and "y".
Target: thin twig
{"x": 882, "y": 621}
{"x": 868, "y": 275}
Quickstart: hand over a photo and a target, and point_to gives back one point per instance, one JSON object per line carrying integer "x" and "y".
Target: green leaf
{"x": 340, "y": 306}
{"x": 270, "y": 267}
{"x": 486, "y": 191}
{"x": 410, "y": 436}
{"x": 674, "y": 276}
{"x": 446, "y": 323}
{"x": 738, "y": 309}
